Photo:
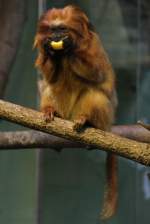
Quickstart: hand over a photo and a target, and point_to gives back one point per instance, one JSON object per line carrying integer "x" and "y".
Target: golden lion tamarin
{"x": 78, "y": 79}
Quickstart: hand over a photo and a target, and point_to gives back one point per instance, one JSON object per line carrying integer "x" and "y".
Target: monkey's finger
{"x": 48, "y": 114}
{"x": 77, "y": 127}
{"x": 48, "y": 117}
{"x": 79, "y": 124}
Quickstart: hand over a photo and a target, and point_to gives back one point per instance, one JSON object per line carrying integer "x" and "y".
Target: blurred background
{"x": 69, "y": 185}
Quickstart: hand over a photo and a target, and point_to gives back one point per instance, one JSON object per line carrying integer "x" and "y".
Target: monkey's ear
{"x": 35, "y": 43}
{"x": 91, "y": 27}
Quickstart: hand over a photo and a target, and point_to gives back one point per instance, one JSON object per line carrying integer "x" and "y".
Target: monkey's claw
{"x": 48, "y": 117}
{"x": 48, "y": 114}
{"x": 77, "y": 127}
{"x": 79, "y": 124}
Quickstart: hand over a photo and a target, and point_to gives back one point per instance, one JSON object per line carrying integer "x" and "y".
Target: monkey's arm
{"x": 46, "y": 105}
{"x": 86, "y": 71}
{"x": 104, "y": 79}
{"x": 45, "y": 66}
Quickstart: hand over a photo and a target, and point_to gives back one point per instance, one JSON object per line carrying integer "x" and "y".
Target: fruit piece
{"x": 57, "y": 45}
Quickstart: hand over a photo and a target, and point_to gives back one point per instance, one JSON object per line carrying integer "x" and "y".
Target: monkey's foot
{"x": 79, "y": 123}
{"x": 48, "y": 113}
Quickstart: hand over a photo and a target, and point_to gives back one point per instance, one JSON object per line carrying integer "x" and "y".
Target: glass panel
{"x": 18, "y": 168}
{"x": 73, "y": 181}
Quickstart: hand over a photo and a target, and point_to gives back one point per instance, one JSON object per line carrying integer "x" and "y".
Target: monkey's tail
{"x": 111, "y": 192}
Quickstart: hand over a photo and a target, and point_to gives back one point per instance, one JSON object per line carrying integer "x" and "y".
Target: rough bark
{"x": 109, "y": 142}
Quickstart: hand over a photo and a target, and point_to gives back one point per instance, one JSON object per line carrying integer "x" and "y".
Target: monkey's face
{"x": 62, "y": 31}
{"x": 58, "y": 41}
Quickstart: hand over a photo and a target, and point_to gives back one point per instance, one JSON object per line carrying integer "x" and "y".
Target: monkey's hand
{"x": 48, "y": 113}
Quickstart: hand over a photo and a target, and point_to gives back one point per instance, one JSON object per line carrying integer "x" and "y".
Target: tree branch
{"x": 109, "y": 142}
{"x": 147, "y": 126}
{"x": 34, "y": 139}
{"x": 37, "y": 139}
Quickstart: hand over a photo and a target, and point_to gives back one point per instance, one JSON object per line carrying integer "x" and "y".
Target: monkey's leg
{"x": 46, "y": 106}
{"x": 79, "y": 122}
{"x": 95, "y": 108}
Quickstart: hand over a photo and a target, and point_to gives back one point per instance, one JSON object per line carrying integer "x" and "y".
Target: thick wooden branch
{"x": 109, "y": 142}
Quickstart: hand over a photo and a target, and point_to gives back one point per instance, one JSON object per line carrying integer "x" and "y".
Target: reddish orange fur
{"x": 84, "y": 87}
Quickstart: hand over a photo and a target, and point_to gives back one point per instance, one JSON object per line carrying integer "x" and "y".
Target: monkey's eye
{"x": 77, "y": 32}
{"x": 63, "y": 28}
{"x": 60, "y": 28}
{"x": 43, "y": 29}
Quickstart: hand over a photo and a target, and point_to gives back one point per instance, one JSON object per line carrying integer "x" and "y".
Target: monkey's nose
{"x": 56, "y": 37}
